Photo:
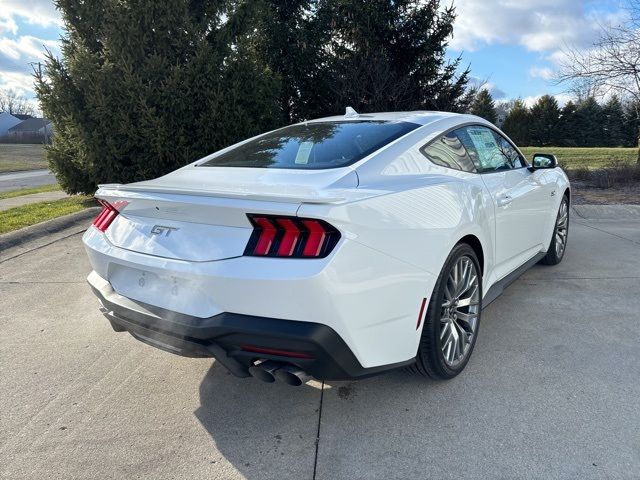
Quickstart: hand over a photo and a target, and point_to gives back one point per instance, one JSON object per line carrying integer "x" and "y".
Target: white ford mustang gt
{"x": 335, "y": 248}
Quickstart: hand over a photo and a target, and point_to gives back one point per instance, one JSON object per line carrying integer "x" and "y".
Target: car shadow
{"x": 269, "y": 430}
{"x": 263, "y": 430}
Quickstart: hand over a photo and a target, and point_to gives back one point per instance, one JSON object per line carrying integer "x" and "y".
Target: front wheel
{"x": 558, "y": 243}
{"x": 452, "y": 319}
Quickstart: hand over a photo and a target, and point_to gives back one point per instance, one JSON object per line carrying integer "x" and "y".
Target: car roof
{"x": 422, "y": 117}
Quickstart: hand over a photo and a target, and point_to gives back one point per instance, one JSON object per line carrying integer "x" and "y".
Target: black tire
{"x": 430, "y": 359}
{"x": 555, "y": 255}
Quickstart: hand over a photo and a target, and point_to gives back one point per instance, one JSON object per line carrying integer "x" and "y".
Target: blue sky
{"x": 512, "y": 45}
{"x": 516, "y": 45}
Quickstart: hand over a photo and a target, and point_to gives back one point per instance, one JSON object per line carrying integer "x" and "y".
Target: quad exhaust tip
{"x": 265, "y": 371}
{"x": 268, "y": 371}
{"x": 292, "y": 375}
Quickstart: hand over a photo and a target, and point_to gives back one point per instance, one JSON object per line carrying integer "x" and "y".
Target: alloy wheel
{"x": 562, "y": 227}
{"x": 460, "y": 311}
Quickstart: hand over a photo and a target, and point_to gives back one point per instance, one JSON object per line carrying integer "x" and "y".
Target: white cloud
{"x": 18, "y": 51}
{"x": 537, "y": 25}
{"x": 7, "y": 24}
{"x": 484, "y": 84}
{"x": 21, "y": 83}
{"x": 541, "y": 72}
{"x": 496, "y": 93}
{"x": 27, "y": 47}
{"x": 41, "y": 12}
{"x": 561, "y": 98}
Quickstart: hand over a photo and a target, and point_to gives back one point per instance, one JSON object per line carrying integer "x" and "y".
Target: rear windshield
{"x": 313, "y": 145}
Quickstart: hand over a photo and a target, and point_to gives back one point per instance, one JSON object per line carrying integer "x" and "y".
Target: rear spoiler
{"x": 122, "y": 190}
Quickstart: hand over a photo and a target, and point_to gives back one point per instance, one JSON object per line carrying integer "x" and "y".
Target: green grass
{"x": 26, "y": 215}
{"x": 15, "y": 157}
{"x": 29, "y": 191}
{"x": 593, "y": 158}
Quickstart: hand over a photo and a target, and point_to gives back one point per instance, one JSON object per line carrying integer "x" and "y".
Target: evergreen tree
{"x": 291, "y": 38}
{"x": 386, "y": 55}
{"x": 517, "y": 123}
{"x": 144, "y": 87}
{"x": 545, "y": 116}
{"x": 567, "y": 135}
{"x": 483, "y": 106}
{"x": 631, "y": 124}
{"x": 589, "y": 124}
{"x": 614, "y": 134}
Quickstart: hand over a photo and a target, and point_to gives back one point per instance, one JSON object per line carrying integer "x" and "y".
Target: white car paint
{"x": 399, "y": 216}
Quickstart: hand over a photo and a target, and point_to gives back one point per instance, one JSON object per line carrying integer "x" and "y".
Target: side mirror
{"x": 543, "y": 160}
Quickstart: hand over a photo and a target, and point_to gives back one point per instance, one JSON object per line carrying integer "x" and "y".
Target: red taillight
{"x": 108, "y": 214}
{"x": 314, "y": 243}
{"x": 268, "y": 234}
{"x": 291, "y": 237}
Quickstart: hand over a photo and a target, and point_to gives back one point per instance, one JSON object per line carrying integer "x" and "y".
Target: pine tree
{"x": 483, "y": 106}
{"x": 378, "y": 55}
{"x": 517, "y": 124}
{"x": 567, "y": 125}
{"x": 144, "y": 87}
{"x": 631, "y": 123}
{"x": 290, "y": 38}
{"x": 589, "y": 124}
{"x": 614, "y": 135}
{"x": 545, "y": 116}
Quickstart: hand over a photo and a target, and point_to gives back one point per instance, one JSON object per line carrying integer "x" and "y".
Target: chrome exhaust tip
{"x": 292, "y": 375}
{"x": 265, "y": 370}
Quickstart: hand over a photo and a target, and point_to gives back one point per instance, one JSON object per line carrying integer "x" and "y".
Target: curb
{"x": 607, "y": 212}
{"x": 10, "y": 172}
{"x": 48, "y": 227}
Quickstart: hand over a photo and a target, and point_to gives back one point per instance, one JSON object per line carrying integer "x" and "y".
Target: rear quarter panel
{"x": 419, "y": 213}
{"x": 415, "y": 214}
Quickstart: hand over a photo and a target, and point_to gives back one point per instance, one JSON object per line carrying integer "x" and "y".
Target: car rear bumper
{"x": 321, "y": 351}
{"x": 369, "y": 299}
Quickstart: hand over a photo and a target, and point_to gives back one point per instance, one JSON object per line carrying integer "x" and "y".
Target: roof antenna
{"x": 351, "y": 113}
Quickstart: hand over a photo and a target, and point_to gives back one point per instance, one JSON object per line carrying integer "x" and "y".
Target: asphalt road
{"x": 552, "y": 390}
{"x": 28, "y": 179}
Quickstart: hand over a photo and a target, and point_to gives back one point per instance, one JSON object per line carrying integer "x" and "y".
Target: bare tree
{"x": 612, "y": 64}
{"x": 13, "y": 103}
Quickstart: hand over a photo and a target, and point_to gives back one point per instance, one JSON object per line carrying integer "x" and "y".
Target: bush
{"x": 614, "y": 175}
{"x": 146, "y": 87}
{"x": 582, "y": 174}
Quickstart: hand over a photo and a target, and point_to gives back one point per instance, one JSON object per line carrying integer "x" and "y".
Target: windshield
{"x": 314, "y": 145}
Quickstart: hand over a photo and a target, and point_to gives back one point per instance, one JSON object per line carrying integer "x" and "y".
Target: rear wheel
{"x": 560, "y": 234}
{"x": 452, "y": 319}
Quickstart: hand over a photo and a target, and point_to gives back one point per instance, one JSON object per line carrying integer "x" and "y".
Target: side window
{"x": 448, "y": 151}
{"x": 489, "y": 150}
{"x": 509, "y": 151}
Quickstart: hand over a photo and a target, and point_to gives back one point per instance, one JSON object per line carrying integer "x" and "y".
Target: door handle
{"x": 504, "y": 200}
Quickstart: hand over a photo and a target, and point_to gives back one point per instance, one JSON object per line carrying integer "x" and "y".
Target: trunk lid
{"x": 199, "y": 214}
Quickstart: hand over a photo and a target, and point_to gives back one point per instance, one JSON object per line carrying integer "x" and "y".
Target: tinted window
{"x": 314, "y": 145}
{"x": 489, "y": 150}
{"x": 449, "y": 152}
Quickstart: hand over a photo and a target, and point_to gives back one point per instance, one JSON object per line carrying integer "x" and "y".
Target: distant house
{"x": 31, "y": 128}
{"x": 7, "y": 121}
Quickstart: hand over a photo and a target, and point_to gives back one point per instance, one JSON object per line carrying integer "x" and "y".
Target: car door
{"x": 520, "y": 197}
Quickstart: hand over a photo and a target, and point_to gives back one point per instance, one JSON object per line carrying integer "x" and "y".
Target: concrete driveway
{"x": 552, "y": 390}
